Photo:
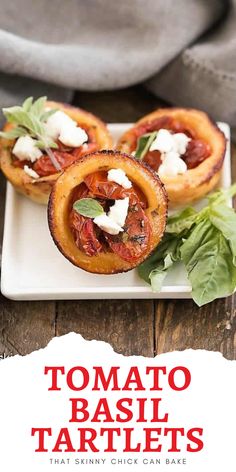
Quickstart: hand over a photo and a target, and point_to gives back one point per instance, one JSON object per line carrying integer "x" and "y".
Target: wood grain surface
{"x": 141, "y": 327}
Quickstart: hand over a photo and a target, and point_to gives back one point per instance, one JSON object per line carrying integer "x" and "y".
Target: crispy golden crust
{"x": 197, "y": 182}
{"x": 39, "y": 190}
{"x": 59, "y": 205}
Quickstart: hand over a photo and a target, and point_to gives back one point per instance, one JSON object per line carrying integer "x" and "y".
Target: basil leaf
{"x": 9, "y": 112}
{"x": 46, "y": 114}
{"x": 14, "y": 133}
{"x": 154, "y": 269}
{"x": 88, "y": 207}
{"x": 27, "y": 104}
{"x": 31, "y": 117}
{"x": 151, "y": 263}
{"x": 158, "y": 275}
{"x": 224, "y": 218}
{"x": 208, "y": 260}
{"x": 181, "y": 221}
{"x": 144, "y": 144}
{"x": 46, "y": 143}
{"x": 196, "y": 240}
{"x": 37, "y": 108}
{"x": 25, "y": 119}
{"x": 222, "y": 195}
{"x": 205, "y": 242}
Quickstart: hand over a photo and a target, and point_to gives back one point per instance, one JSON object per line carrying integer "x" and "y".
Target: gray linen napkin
{"x": 57, "y": 46}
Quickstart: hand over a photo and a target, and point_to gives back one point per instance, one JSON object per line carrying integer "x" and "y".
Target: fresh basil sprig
{"x": 205, "y": 242}
{"x": 144, "y": 144}
{"x": 29, "y": 119}
{"x": 88, "y": 207}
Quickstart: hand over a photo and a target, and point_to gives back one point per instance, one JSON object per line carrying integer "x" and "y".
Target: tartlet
{"x": 39, "y": 189}
{"x": 85, "y": 245}
{"x": 204, "y": 156}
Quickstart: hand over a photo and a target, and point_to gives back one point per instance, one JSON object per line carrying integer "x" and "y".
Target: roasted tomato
{"x": 145, "y": 127}
{"x": 204, "y": 155}
{"x": 153, "y": 159}
{"x": 44, "y": 165}
{"x": 81, "y": 240}
{"x": 39, "y": 189}
{"x": 128, "y": 244}
{"x": 84, "y": 233}
{"x": 100, "y": 187}
{"x": 134, "y": 241}
{"x": 64, "y": 156}
{"x": 197, "y": 151}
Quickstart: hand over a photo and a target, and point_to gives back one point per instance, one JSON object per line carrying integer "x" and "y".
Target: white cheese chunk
{"x": 163, "y": 141}
{"x": 72, "y": 136}
{"x": 172, "y": 165}
{"x": 118, "y": 212}
{"x": 31, "y": 172}
{"x": 171, "y": 146}
{"x": 107, "y": 224}
{"x": 120, "y": 177}
{"x": 61, "y": 126}
{"x": 181, "y": 141}
{"x": 25, "y": 149}
{"x": 57, "y": 122}
{"x": 112, "y": 222}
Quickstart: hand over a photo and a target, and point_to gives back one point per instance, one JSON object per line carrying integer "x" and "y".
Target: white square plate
{"x": 34, "y": 269}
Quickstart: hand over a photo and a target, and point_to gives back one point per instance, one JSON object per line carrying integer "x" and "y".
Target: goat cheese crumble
{"x": 171, "y": 146}
{"x": 181, "y": 141}
{"x": 25, "y": 149}
{"x": 58, "y": 126}
{"x": 31, "y": 172}
{"x": 163, "y": 141}
{"x": 118, "y": 211}
{"x": 120, "y": 177}
{"x": 73, "y": 136}
{"x": 107, "y": 224}
{"x": 172, "y": 165}
{"x": 114, "y": 220}
{"x": 61, "y": 126}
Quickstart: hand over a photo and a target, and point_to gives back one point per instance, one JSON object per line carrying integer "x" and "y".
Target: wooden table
{"x": 144, "y": 327}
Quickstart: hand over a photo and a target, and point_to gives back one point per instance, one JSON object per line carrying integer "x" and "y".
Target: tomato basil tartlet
{"x": 107, "y": 212}
{"x": 40, "y": 139}
{"x": 183, "y": 146}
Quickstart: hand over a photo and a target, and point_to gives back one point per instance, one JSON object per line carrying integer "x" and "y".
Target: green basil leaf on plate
{"x": 196, "y": 241}
{"x": 181, "y": 221}
{"x": 224, "y": 218}
{"x": 155, "y": 268}
{"x": 223, "y": 195}
{"x": 208, "y": 259}
{"x": 205, "y": 242}
{"x": 158, "y": 275}
{"x": 88, "y": 207}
